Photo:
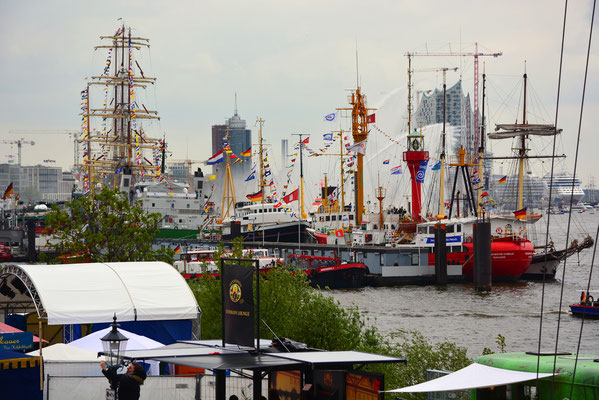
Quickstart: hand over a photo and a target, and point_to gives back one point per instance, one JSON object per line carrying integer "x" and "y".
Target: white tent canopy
{"x": 93, "y": 343}
{"x": 94, "y": 292}
{"x": 474, "y": 376}
{"x": 67, "y": 353}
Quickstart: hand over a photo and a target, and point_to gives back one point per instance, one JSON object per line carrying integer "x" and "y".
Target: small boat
{"x": 587, "y": 307}
{"x": 330, "y": 271}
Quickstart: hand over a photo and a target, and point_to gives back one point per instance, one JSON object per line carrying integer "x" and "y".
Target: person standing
{"x": 126, "y": 385}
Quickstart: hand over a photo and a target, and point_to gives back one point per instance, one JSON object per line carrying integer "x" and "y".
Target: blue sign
{"x": 16, "y": 341}
{"x": 448, "y": 239}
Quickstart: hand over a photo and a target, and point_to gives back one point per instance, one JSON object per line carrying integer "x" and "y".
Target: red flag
{"x": 484, "y": 194}
{"x": 370, "y": 119}
{"x": 293, "y": 196}
{"x": 306, "y": 140}
{"x": 339, "y": 233}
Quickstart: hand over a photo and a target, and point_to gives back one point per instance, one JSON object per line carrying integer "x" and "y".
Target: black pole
{"x": 455, "y": 181}
{"x": 222, "y": 306}
{"x": 221, "y": 384}
{"x": 257, "y": 384}
{"x": 257, "y": 263}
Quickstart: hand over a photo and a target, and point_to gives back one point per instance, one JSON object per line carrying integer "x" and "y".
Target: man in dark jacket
{"x": 127, "y": 385}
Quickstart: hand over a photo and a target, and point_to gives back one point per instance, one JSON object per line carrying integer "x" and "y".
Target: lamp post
{"x": 114, "y": 344}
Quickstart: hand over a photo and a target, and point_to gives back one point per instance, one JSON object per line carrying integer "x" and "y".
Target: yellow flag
{"x": 213, "y": 177}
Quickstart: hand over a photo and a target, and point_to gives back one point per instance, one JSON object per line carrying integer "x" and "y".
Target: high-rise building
{"x": 240, "y": 140}
{"x": 459, "y": 115}
{"x": 38, "y": 182}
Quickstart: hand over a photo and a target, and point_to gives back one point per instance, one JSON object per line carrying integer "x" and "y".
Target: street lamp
{"x": 114, "y": 344}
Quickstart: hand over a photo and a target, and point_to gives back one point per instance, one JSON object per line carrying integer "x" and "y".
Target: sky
{"x": 291, "y": 63}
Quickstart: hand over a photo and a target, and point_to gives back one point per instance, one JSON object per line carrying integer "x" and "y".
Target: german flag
{"x": 247, "y": 153}
{"x": 520, "y": 214}
{"x": 256, "y": 196}
{"x": 8, "y": 192}
{"x": 177, "y": 249}
{"x": 502, "y": 180}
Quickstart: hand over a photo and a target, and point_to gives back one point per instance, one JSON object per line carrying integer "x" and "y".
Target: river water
{"x": 459, "y": 314}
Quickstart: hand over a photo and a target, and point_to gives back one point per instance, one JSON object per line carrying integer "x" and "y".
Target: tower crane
{"x": 19, "y": 144}
{"x": 476, "y": 54}
{"x": 73, "y": 133}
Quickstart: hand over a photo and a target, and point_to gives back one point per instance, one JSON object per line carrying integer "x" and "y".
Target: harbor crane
{"x": 19, "y": 144}
{"x": 72, "y": 134}
{"x": 476, "y": 54}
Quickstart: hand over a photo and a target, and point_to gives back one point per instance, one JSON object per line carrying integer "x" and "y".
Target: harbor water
{"x": 459, "y": 314}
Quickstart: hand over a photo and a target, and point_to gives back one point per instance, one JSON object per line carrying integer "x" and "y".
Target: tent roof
{"x": 4, "y": 328}
{"x": 93, "y": 292}
{"x": 215, "y": 357}
{"x": 65, "y": 352}
{"x": 474, "y": 376}
{"x": 93, "y": 343}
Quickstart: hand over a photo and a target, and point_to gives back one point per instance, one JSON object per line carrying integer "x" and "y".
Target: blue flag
{"x": 327, "y": 136}
{"x": 421, "y": 171}
{"x": 251, "y": 176}
{"x": 436, "y": 167}
{"x": 396, "y": 170}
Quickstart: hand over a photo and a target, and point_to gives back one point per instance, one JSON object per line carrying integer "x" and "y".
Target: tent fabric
{"x": 4, "y": 328}
{"x": 92, "y": 342}
{"x": 474, "y": 376}
{"x": 66, "y": 352}
{"x": 94, "y": 292}
{"x": 165, "y": 332}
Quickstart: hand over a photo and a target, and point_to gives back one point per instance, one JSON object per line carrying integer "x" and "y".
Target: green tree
{"x": 109, "y": 228}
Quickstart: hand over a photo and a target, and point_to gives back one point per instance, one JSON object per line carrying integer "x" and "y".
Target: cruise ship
{"x": 563, "y": 186}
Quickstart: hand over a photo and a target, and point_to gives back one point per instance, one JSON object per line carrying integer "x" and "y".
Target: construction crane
{"x": 72, "y": 134}
{"x": 19, "y": 144}
{"x": 476, "y": 54}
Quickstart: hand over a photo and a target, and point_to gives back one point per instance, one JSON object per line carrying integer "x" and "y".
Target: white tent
{"x": 65, "y": 352}
{"x": 93, "y": 343}
{"x": 94, "y": 292}
{"x": 474, "y": 376}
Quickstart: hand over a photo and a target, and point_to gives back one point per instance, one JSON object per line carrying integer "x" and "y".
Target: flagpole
{"x": 302, "y": 213}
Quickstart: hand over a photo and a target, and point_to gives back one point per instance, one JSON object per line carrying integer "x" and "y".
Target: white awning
{"x": 474, "y": 376}
{"x": 94, "y": 292}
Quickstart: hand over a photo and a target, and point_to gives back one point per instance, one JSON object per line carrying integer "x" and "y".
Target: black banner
{"x": 238, "y": 304}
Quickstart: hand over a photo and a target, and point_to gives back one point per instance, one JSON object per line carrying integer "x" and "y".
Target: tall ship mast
{"x": 116, "y": 150}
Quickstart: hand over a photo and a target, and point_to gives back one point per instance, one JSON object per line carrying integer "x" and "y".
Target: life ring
{"x": 590, "y": 299}
{"x": 499, "y": 230}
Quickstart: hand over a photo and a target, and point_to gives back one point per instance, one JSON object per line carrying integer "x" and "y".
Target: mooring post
{"x": 441, "y": 254}
{"x": 482, "y": 255}
{"x": 31, "y": 252}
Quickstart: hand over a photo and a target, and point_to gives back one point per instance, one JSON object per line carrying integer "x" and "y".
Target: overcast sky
{"x": 290, "y": 62}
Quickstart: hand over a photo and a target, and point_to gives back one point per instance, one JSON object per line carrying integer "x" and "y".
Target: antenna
{"x": 357, "y": 68}
{"x": 235, "y": 103}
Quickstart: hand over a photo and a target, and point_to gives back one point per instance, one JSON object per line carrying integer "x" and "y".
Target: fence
{"x": 200, "y": 387}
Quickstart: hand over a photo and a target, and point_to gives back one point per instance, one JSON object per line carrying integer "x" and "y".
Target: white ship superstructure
{"x": 563, "y": 186}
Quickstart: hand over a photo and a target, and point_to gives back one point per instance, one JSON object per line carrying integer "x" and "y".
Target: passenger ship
{"x": 563, "y": 186}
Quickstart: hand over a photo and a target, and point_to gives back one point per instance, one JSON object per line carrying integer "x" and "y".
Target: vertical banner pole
{"x": 257, "y": 263}
{"x": 222, "y": 300}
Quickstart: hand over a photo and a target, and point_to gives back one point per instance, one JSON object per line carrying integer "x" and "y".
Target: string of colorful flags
{"x": 84, "y": 135}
